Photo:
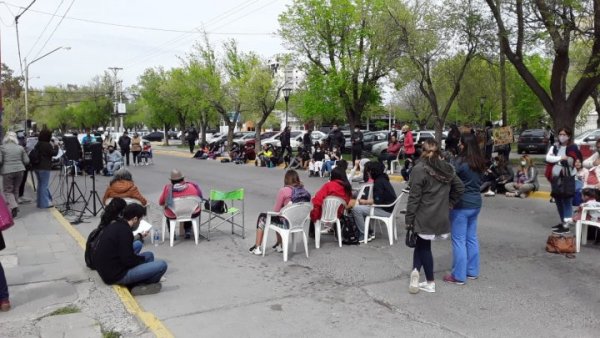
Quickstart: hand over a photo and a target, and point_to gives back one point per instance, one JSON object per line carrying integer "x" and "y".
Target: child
{"x": 146, "y": 154}
{"x": 588, "y": 196}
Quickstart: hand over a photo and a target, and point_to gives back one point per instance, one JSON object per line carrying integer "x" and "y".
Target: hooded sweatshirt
{"x": 123, "y": 188}
{"x": 434, "y": 189}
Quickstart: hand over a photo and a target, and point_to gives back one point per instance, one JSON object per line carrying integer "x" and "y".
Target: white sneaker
{"x": 427, "y": 287}
{"x": 257, "y": 251}
{"x": 489, "y": 193}
{"x": 413, "y": 287}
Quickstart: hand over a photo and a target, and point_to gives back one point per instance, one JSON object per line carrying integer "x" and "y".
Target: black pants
{"x": 125, "y": 154}
{"x": 488, "y": 152}
{"x": 422, "y": 257}
{"x": 136, "y": 157}
{"x": 356, "y": 154}
{"x": 387, "y": 158}
{"x": 23, "y": 181}
{"x": 192, "y": 143}
{"x": 286, "y": 153}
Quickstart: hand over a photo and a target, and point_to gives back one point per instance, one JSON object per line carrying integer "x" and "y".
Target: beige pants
{"x": 12, "y": 182}
{"x": 524, "y": 189}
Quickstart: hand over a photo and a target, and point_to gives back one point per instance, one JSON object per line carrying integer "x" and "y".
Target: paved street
{"x": 218, "y": 288}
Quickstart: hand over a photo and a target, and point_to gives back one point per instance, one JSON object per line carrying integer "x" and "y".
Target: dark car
{"x": 154, "y": 136}
{"x": 533, "y": 141}
{"x": 372, "y": 137}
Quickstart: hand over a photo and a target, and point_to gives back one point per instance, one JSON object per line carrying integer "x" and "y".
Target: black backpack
{"x": 91, "y": 245}
{"x": 349, "y": 230}
{"x": 218, "y": 207}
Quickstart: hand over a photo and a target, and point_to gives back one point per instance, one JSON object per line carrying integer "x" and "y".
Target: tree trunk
{"x": 596, "y": 98}
{"x": 564, "y": 116}
{"x": 257, "y": 132}
{"x": 166, "y": 135}
{"x": 439, "y": 128}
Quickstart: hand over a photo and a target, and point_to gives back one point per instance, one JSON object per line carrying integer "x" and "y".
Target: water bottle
{"x": 155, "y": 236}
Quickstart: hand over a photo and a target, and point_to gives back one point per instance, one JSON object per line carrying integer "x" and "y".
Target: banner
{"x": 503, "y": 135}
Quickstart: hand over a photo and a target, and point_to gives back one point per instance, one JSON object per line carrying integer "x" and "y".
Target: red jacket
{"x": 409, "y": 143}
{"x": 394, "y": 148}
{"x": 331, "y": 188}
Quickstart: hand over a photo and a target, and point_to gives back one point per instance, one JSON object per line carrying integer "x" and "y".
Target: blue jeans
{"x": 565, "y": 207}
{"x": 3, "y": 285}
{"x": 465, "y": 246}
{"x": 327, "y": 166}
{"x": 44, "y": 198}
{"x": 137, "y": 247}
{"x": 146, "y": 273}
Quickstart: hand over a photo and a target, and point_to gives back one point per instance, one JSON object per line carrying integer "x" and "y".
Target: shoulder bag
{"x": 6, "y": 220}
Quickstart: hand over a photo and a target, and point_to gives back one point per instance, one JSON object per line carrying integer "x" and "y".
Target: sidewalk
{"x": 543, "y": 193}
{"x": 52, "y": 292}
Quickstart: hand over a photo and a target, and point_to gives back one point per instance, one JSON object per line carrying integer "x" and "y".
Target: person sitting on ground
{"x": 316, "y": 162}
{"x": 291, "y": 181}
{"x": 503, "y": 174}
{"x": 117, "y": 263}
{"x": 122, "y": 186}
{"x": 112, "y": 212}
{"x": 179, "y": 187}
{"x": 330, "y": 160}
{"x": 525, "y": 180}
{"x": 296, "y": 162}
{"x": 249, "y": 152}
{"x": 391, "y": 153}
{"x": 383, "y": 193}
{"x": 113, "y": 160}
{"x": 338, "y": 186}
{"x": 265, "y": 158}
{"x": 202, "y": 153}
{"x": 305, "y": 155}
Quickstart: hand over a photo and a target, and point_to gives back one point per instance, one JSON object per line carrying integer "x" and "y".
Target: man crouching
{"x": 117, "y": 263}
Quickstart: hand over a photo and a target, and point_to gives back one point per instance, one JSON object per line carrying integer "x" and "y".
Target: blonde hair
{"x": 10, "y": 137}
{"x": 528, "y": 160}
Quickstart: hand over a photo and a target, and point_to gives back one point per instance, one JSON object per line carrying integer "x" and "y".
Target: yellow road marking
{"x": 149, "y": 319}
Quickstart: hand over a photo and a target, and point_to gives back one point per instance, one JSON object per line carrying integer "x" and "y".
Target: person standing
{"x": 4, "y": 301}
{"x": 136, "y": 148}
{"x": 45, "y": 150}
{"x": 489, "y": 140}
{"x": 434, "y": 189}
{"x": 125, "y": 146}
{"x": 357, "y": 145}
{"x": 408, "y": 145}
{"x": 307, "y": 141}
{"x": 286, "y": 147}
{"x": 469, "y": 166}
{"x": 453, "y": 139}
{"x": 561, "y": 157}
{"x": 191, "y": 137}
{"x": 13, "y": 160}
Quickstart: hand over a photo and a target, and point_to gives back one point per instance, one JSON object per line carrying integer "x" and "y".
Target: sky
{"x": 97, "y": 39}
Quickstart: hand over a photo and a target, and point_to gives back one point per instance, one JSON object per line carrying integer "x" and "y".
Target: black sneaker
{"x": 561, "y": 230}
{"x": 558, "y": 226}
{"x": 146, "y": 289}
{"x": 252, "y": 248}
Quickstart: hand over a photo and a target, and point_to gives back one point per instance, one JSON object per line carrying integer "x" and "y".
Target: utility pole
{"x": 115, "y": 70}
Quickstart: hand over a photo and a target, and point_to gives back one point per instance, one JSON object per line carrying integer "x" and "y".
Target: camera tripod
{"x": 74, "y": 193}
{"x": 93, "y": 197}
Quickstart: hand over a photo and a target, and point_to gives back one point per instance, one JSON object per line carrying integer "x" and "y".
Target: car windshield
{"x": 533, "y": 132}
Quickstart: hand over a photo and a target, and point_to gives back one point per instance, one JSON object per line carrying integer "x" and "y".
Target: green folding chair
{"x": 234, "y": 200}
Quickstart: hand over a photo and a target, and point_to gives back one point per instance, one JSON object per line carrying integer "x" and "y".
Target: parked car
{"x": 370, "y": 138}
{"x": 245, "y": 137}
{"x": 154, "y": 136}
{"x": 588, "y": 137}
{"x": 418, "y": 137}
{"x": 533, "y": 141}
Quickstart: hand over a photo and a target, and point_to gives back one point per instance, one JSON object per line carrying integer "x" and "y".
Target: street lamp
{"x": 481, "y": 103}
{"x": 286, "y": 96}
{"x": 27, "y": 80}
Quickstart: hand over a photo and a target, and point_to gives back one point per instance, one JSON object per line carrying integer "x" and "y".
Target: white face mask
{"x": 523, "y": 163}
{"x": 563, "y": 138}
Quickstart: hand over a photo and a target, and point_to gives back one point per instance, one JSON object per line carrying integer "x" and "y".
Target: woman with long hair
{"x": 44, "y": 149}
{"x": 469, "y": 166}
{"x": 434, "y": 189}
{"x": 525, "y": 180}
{"x": 562, "y": 156}
{"x": 339, "y": 186}
{"x": 291, "y": 181}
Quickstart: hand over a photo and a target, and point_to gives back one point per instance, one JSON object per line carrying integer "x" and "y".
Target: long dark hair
{"x": 339, "y": 174}
{"x": 112, "y": 211}
{"x": 471, "y": 153}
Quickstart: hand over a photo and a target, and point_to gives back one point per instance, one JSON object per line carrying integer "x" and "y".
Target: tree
{"x": 153, "y": 100}
{"x": 438, "y": 42}
{"x": 347, "y": 43}
{"x": 556, "y": 24}
{"x": 316, "y": 101}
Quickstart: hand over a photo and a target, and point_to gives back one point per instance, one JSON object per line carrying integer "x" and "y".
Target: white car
{"x": 418, "y": 137}
{"x": 296, "y": 138}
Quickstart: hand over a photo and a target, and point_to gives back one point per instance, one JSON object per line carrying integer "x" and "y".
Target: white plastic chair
{"x": 389, "y": 221}
{"x": 362, "y": 189}
{"x": 581, "y": 227}
{"x": 395, "y": 163}
{"x": 298, "y": 218}
{"x": 329, "y": 215}
{"x": 183, "y": 208}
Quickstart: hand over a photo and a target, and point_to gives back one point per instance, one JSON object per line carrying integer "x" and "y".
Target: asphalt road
{"x": 218, "y": 288}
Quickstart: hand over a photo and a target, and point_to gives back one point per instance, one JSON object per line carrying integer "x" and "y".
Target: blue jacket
{"x": 471, "y": 198}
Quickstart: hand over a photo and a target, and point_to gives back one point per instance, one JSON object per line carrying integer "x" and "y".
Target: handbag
{"x": 6, "y": 220}
{"x": 563, "y": 186}
{"x": 411, "y": 238}
{"x": 561, "y": 244}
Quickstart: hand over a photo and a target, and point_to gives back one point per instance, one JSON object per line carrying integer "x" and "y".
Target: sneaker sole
{"x": 148, "y": 289}
{"x": 472, "y": 277}
{"x": 413, "y": 287}
{"x": 427, "y": 290}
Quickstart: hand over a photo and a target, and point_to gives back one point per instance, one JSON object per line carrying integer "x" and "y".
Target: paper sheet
{"x": 144, "y": 226}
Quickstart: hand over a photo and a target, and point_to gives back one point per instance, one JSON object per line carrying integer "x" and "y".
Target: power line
{"x": 46, "y": 27}
{"x": 55, "y": 28}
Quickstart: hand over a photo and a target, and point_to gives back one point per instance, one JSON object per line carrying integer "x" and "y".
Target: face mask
{"x": 563, "y": 138}
{"x": 523, "y": 163}
{"x": 356, "y": 130}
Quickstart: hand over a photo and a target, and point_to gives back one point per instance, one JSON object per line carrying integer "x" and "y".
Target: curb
{"x": 132, "y": 306}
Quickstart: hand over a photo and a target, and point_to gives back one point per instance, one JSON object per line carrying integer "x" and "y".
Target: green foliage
{"x": 525, "y": 108}
{"x": 64, "y": 311}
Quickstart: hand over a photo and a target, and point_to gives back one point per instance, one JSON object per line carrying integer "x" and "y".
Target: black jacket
{"x": 285, "y": 139}
{"x": 357, "y": 139}
{"x": 46, "y": 151}
{"x": 124, "y": 142}
{"x": 114, "y": 255}
{"x": 383, "y": 192}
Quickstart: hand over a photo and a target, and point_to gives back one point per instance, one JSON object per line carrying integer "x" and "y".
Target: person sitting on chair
{"x": 391, "y": 153}
{"x": 337, "y": 186}
{"x": 116, "y": 261}
{"x": 113, "y": 160}
{"x": 179, "y": 187}
{"x": 122, "y": 186}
